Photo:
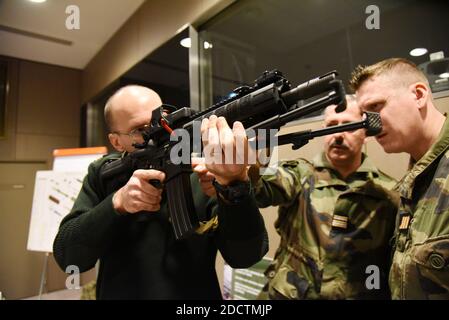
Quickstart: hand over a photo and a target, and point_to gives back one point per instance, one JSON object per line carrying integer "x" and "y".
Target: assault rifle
{"x": 268, "y": 104}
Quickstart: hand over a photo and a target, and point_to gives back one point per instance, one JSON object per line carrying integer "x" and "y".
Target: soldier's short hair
{"x": 406, "y": 72}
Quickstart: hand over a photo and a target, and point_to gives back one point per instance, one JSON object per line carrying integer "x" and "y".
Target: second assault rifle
{"x": 269, "y": 104}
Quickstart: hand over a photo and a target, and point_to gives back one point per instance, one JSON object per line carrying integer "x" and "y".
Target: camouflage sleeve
{"x": 283, "y": 185}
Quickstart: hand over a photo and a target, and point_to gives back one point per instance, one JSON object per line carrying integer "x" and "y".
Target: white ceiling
{"x": 32, "y": 30}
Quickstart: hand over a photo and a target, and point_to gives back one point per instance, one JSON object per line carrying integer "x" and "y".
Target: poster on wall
{"x": 55, "y": 192}
{"x": 54, "y": 195}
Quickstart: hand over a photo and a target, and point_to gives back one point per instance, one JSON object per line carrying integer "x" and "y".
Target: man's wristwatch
{"x": 234, "y": 192}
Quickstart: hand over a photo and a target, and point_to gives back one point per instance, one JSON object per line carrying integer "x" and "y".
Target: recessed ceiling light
{"x": 418, "y": 52}
{"x": 37, "y": 1}
{"x": 444, "y": 75}
{"x": 186, "y": 43}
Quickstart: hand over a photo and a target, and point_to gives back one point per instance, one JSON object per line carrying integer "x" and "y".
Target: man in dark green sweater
{"x": 140, "y": 258}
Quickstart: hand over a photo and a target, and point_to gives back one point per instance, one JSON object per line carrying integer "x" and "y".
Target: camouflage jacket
{"x": 420, "y": 268}
{"x": 331, "y": 230}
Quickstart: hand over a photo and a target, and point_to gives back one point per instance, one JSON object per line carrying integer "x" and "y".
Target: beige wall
{"x": 43, "y": 113}
{"x": 442, "y": 104}
{"x": 153, "y": 24}
{"x": 19, "y": 269}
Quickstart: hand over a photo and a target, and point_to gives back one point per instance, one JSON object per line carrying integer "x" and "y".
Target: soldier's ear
{"x": 421, "y": 94}
{"x": 115, "y": 142}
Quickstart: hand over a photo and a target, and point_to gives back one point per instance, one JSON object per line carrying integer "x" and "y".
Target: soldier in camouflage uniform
{"x": 400, "y": 92}
{"x": 336, "y": 217}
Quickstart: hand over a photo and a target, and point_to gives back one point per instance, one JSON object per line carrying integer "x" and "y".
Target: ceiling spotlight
{"x": 417, "y": 52}
{"x": 186, "y": 42}
{"x": 37, "y": 1}
{"x": 444, "y": 75}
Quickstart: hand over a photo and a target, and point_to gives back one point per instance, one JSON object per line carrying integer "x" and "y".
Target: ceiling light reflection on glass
{"x": 417, "y": 52}
{"x": 37, "y": 1}
{"x": 187, "y": 43}
{"x": 207, "y": 45}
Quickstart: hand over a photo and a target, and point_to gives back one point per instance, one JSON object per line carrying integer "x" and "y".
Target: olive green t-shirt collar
{"x": 321, "y": 161}
{"x": 439, "y": 147}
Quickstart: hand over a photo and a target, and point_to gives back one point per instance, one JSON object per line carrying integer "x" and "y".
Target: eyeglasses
{"x": 136, "y": 134}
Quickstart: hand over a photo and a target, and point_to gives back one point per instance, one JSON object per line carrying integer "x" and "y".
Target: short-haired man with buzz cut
{"x": 400, "y": 92}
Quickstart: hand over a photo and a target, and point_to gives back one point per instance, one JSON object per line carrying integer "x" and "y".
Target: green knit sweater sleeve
{"x": 241, "y": 236}
{"x": 86, "y": 231}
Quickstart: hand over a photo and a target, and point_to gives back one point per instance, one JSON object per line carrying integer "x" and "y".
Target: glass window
{"x": 166, "y": 70}
{"x": 307, "y": 38}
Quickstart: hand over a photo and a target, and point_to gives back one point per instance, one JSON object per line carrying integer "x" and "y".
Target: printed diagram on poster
{"x": 55, "y": 192}
{"x": 54, "y": 195}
